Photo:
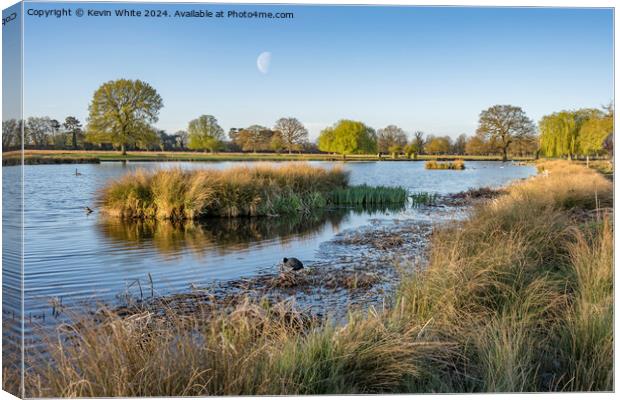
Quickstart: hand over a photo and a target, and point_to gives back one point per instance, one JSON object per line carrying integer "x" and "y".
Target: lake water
{"x": 73, "y": 257}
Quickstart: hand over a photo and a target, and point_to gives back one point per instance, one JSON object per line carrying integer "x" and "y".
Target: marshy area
{"x": 410, "y": 303}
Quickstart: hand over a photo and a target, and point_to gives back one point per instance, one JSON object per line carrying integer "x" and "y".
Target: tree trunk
{"x": 123, "y": 151}
{"x": 74, "y": 140}
{"x": 587, "y": 161}
{"x": 505, "y": 154}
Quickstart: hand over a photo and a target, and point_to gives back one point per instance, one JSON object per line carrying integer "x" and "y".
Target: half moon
{"x": 263, "y": 62}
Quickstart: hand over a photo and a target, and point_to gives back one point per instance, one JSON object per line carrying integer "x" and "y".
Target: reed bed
{"x": 424, "y": 198}
{"x": 365, "y": 195}
{"x": 518, "y": 297}
{"x": 454, "y": 165}
{"x": 264, "y": 190}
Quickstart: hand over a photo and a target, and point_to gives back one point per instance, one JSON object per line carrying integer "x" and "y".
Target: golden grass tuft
{"x": 454, "y": 165}
{"x": 261, "y": 190}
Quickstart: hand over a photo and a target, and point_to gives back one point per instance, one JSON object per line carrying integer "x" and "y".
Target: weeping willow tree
{"x": 558, "y": 134}
{"x": 595, "y": 131}
{"x": 561, "y": 132}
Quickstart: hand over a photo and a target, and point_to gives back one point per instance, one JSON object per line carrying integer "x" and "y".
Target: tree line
{"x": 122, "y": 114}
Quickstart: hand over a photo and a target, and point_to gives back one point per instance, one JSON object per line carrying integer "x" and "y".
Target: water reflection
{"x": 223, "y": 235}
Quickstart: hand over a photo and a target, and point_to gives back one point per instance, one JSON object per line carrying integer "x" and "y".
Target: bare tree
{"x": 505, "y": 123}
{"x": 11, "y": 133}
{"x": 292, "y": 132}
{"x": 38, "y": 130}
{"x": 391, "y": 139}
{"x": 73, "y": 126}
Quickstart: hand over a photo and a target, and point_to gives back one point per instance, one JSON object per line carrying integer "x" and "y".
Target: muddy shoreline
{"x": 355, "y": 270}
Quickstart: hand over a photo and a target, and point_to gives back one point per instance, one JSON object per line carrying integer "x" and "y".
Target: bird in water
{"x": 292, "y": 263}
{"x": 88, "y": 210}
{"x": 77, "y": 173}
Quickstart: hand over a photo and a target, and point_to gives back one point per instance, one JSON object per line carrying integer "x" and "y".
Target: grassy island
{"x": 263, "y": 190}
{"x": 456, "y": 165}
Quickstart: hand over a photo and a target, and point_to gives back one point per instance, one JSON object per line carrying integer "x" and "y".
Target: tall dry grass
{"x": 178, "y": 194}
{"x": 263, "y": 190}
{"x": 519, "y": 297}
{"x": 434, "y": 164}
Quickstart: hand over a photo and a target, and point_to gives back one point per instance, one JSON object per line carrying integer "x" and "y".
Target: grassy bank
{"x": 519, "y": 297}
{"x": 159, "y": 156}
{"x": 263, "y": 190}
{"x": 15, "y": 158}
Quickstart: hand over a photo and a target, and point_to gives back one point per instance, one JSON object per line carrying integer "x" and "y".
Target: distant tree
{"x": 292, "y": 132}
{"x": 412, "y": 149}
{"x": 559, "y": 134}
{"x": 458, "y": 147}
{"x": 391, "y": 139}
{"x": 594, "y": 131}
{"x": 11, "y": 133}
{"x": 204, "y": 133}
{"x": 254, "y": 138}
{"x": 182, "y": 137}
{"x": 121, "y": 113}
{"x": 166, "y": 142}
{"x": 38, "y": 131}
{"x": 438, "y": 145}
{"x": 525, "y": 146}
{"x": 233, "y": 134}
{"x": 57, "y": 137}
{"x": 73, "y": 127}
{"x": 504, "y": 123}
{"x": 278, "y": 143}
{"x": 418, "y": 141}
{"x": 476, "y": 145}
{"x": 348, "y": 137}
{"x": 326, "y": 140}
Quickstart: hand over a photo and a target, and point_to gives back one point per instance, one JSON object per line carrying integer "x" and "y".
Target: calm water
{"x": 74, "y": 257}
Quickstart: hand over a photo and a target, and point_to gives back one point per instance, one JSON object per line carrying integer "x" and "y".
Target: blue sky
{"x": 431, "y": 69}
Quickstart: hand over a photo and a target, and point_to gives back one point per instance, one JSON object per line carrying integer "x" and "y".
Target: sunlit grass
{"x": 263, "y": 190}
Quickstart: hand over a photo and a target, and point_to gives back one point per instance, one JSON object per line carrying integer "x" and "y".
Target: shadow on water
{"x": 225, "y": 235}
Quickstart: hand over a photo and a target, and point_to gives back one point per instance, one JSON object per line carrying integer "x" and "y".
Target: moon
{"x": 263, "y": 62}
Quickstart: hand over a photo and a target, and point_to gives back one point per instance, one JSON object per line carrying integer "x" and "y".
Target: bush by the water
{"x": 264, "y": 190}
{"x": 518, "y": 297}
{"x": 456, "y": 164}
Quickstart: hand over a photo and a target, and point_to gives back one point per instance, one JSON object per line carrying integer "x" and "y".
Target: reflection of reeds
{"x": 217, "y": 234}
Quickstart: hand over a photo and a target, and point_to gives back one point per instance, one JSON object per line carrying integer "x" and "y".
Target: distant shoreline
{"x": 35, "y": 157}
